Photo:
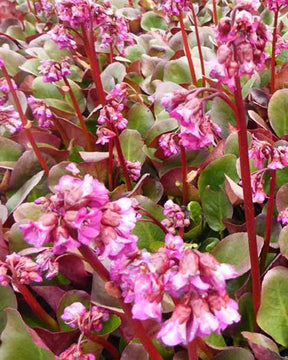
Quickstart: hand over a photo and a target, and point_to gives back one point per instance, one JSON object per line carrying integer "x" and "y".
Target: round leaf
{"x": 150, "y": 21}
{"x": 278, "y": 112}
{"x": 273, "y": 313}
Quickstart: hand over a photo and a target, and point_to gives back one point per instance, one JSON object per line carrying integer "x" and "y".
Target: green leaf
{"x": 278, "y": 112}
{"x": 9, "y": 150}
{"x": 150, "y": 20}
{"x": 160, "y": 127}
{"x": 222, "y": 114}
{"x": 234, "y": 250}
{"x": 7, "y": 299}
{"x": 134, "y": 52}
{"x": 149, "y": 233}
{"x": 177, "y": 71}
{"x": 112, "y": 75}
{"x": 111, "y": 325}
{"x": 20, "y": 195}
{"x": 17, "y": 342}
{"x": 283, "y": 241}
{"x": 31, "y": 66}
{"x": 44, "y": 90}
{"x": 273, "y": 313}
{"x": 12, "y": 60}
{"x": 216, "y": 207}
{"x": 216, "y": 340}
{"x": 132, "y": 144}
{"x": 140, "y": 118}
{"x": 234, "y": 354}
{"x": 214, "y": 173}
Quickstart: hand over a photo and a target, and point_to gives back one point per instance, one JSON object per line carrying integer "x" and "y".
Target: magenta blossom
{"x": 54, "y": 70}
{"x": 74, "y": 352}
{"x": 62, "y": 37}
{"x": 9, "y": 120}
{"x": 175, "y": 217}
{"x": 4, "y": 87}
{"x": 41, "y": 112}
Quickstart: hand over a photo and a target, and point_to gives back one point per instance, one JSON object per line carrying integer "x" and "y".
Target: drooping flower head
{"x": 53, "y": 70}
{"x": 62, "y": 37}
{"x": 41, "y": 112}
{"x": 9, "y": 120}
{"x": 243, "y": 39}
{"x": 275, "y": 5}
{"x": 175, "y": 7}
{"x": 196, "y": 128}
{"x": 175, "y": 217}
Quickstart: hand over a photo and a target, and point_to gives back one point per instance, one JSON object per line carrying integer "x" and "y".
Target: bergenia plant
{"x": 143, "y": 180}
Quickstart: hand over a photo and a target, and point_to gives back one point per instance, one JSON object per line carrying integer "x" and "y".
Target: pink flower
{"x": 62, "y": 37}
{"x": 179, "y": 328}
{"x": 118, "y": 220}
{"x": 175, "y": 217}
{"x": 169, "y": 143}
{"x": 74, "y": 352}
{"x": 257, "y": 184}
{"x": 63, "y": 241}
{"x": 96, "y": 317}
{"x": 275, "y": 5}
{"x": 47, "y": 263}
{"x": 175, "y": 7}
{"x": 283, "y": 216}
{"x": 41, "y": 112}
{"x": 88, "y": 224}
{"x": 104, "y": 135}
{"x": 2, "y": 63}
{"x": 39, "y": 233}
{"x": 4, "y": 87}
{"x": 134, "y": 169}
{"x": 74, "y": 314}
{"x": 9, "y": 120}
{"x": 53, "y": 70}
{"x": 73, "y": 169}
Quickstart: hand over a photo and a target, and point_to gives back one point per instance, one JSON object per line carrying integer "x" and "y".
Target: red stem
{"x": 122, "y": 159}
{"x": 273, "y": 59}
{"x": 184, "y": 175}
{"x": 79, "y": 114}
{"x": 192, "y": 350}
{"x": 187, "y": 50}
{"x": 103, "y": 342}
{"x": 215, "y": 16}
{"x": 25, "y": 122}
{"x": 94, "y": 63}
{"x": 248, "y": 202}
{"x": 111, "y": 54}
{"x": 130, "y": 2}
{"x": 269, "y": 220}
{"x": 110, "y": 165}
{"x": 37, "y": 308}
{"x": 154, "y": 220}
{"x": 95, "y": 70}
{"x": 199, "y": 45}
{"x": 139, "y": 329}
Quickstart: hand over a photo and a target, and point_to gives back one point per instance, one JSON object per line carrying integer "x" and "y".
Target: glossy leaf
{"x": 278, "y": 112}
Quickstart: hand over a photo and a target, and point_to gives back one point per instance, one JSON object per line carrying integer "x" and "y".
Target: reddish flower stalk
{"x": 154, "y": 220}
{"x": 192, "y": 351}
{"x": 248, "y": 203}
{"x": 215, "y": 16}
{"x": 273, "y": 58}
{"x": 269, "y": 220}
{"x": 184, "y": 175}
{"x": 96, "y": 75}
{"x": 79, "y": 114}
{"x": 25, "y": 122}
{"x": 187, "y": 50}
{"x": 270, "y": 205}
{"x": 110, "y": 165}
{"x": 139, "y": 329}
{"x": 199, "y": 45}
{"x": 94, "y": 64}
{"x": 111, "y": 54}
{"x": 101, "y": 341}
{"x": 37, "y": 308}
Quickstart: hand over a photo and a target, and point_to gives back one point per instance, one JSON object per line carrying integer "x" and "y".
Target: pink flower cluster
{"x": 175, "y": 7}
{"x": 196, "y": 130}
{"x": 113, "y": 29}
{"x": 19, "y": 269}
{"x": 111, "y": 113}
{"x": 257, "y": 184}
{"x": 275, "y": 5}
{"x": 76, "y": 316}
{"x": 283, "y": 216}
{"x": 62, "y": 37}
{"x": 74, "y": 352}
{"x": 243, "y": 39}
{"x": 196, "y": 282}
{"x": 79, "y": 212}
{"x": 41, "y": 112}
{"x": 53, "y": 70}
{"x": 175, "y": 217}
{"x": 262, "y": 151}
{"x": 9, "y": 120}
